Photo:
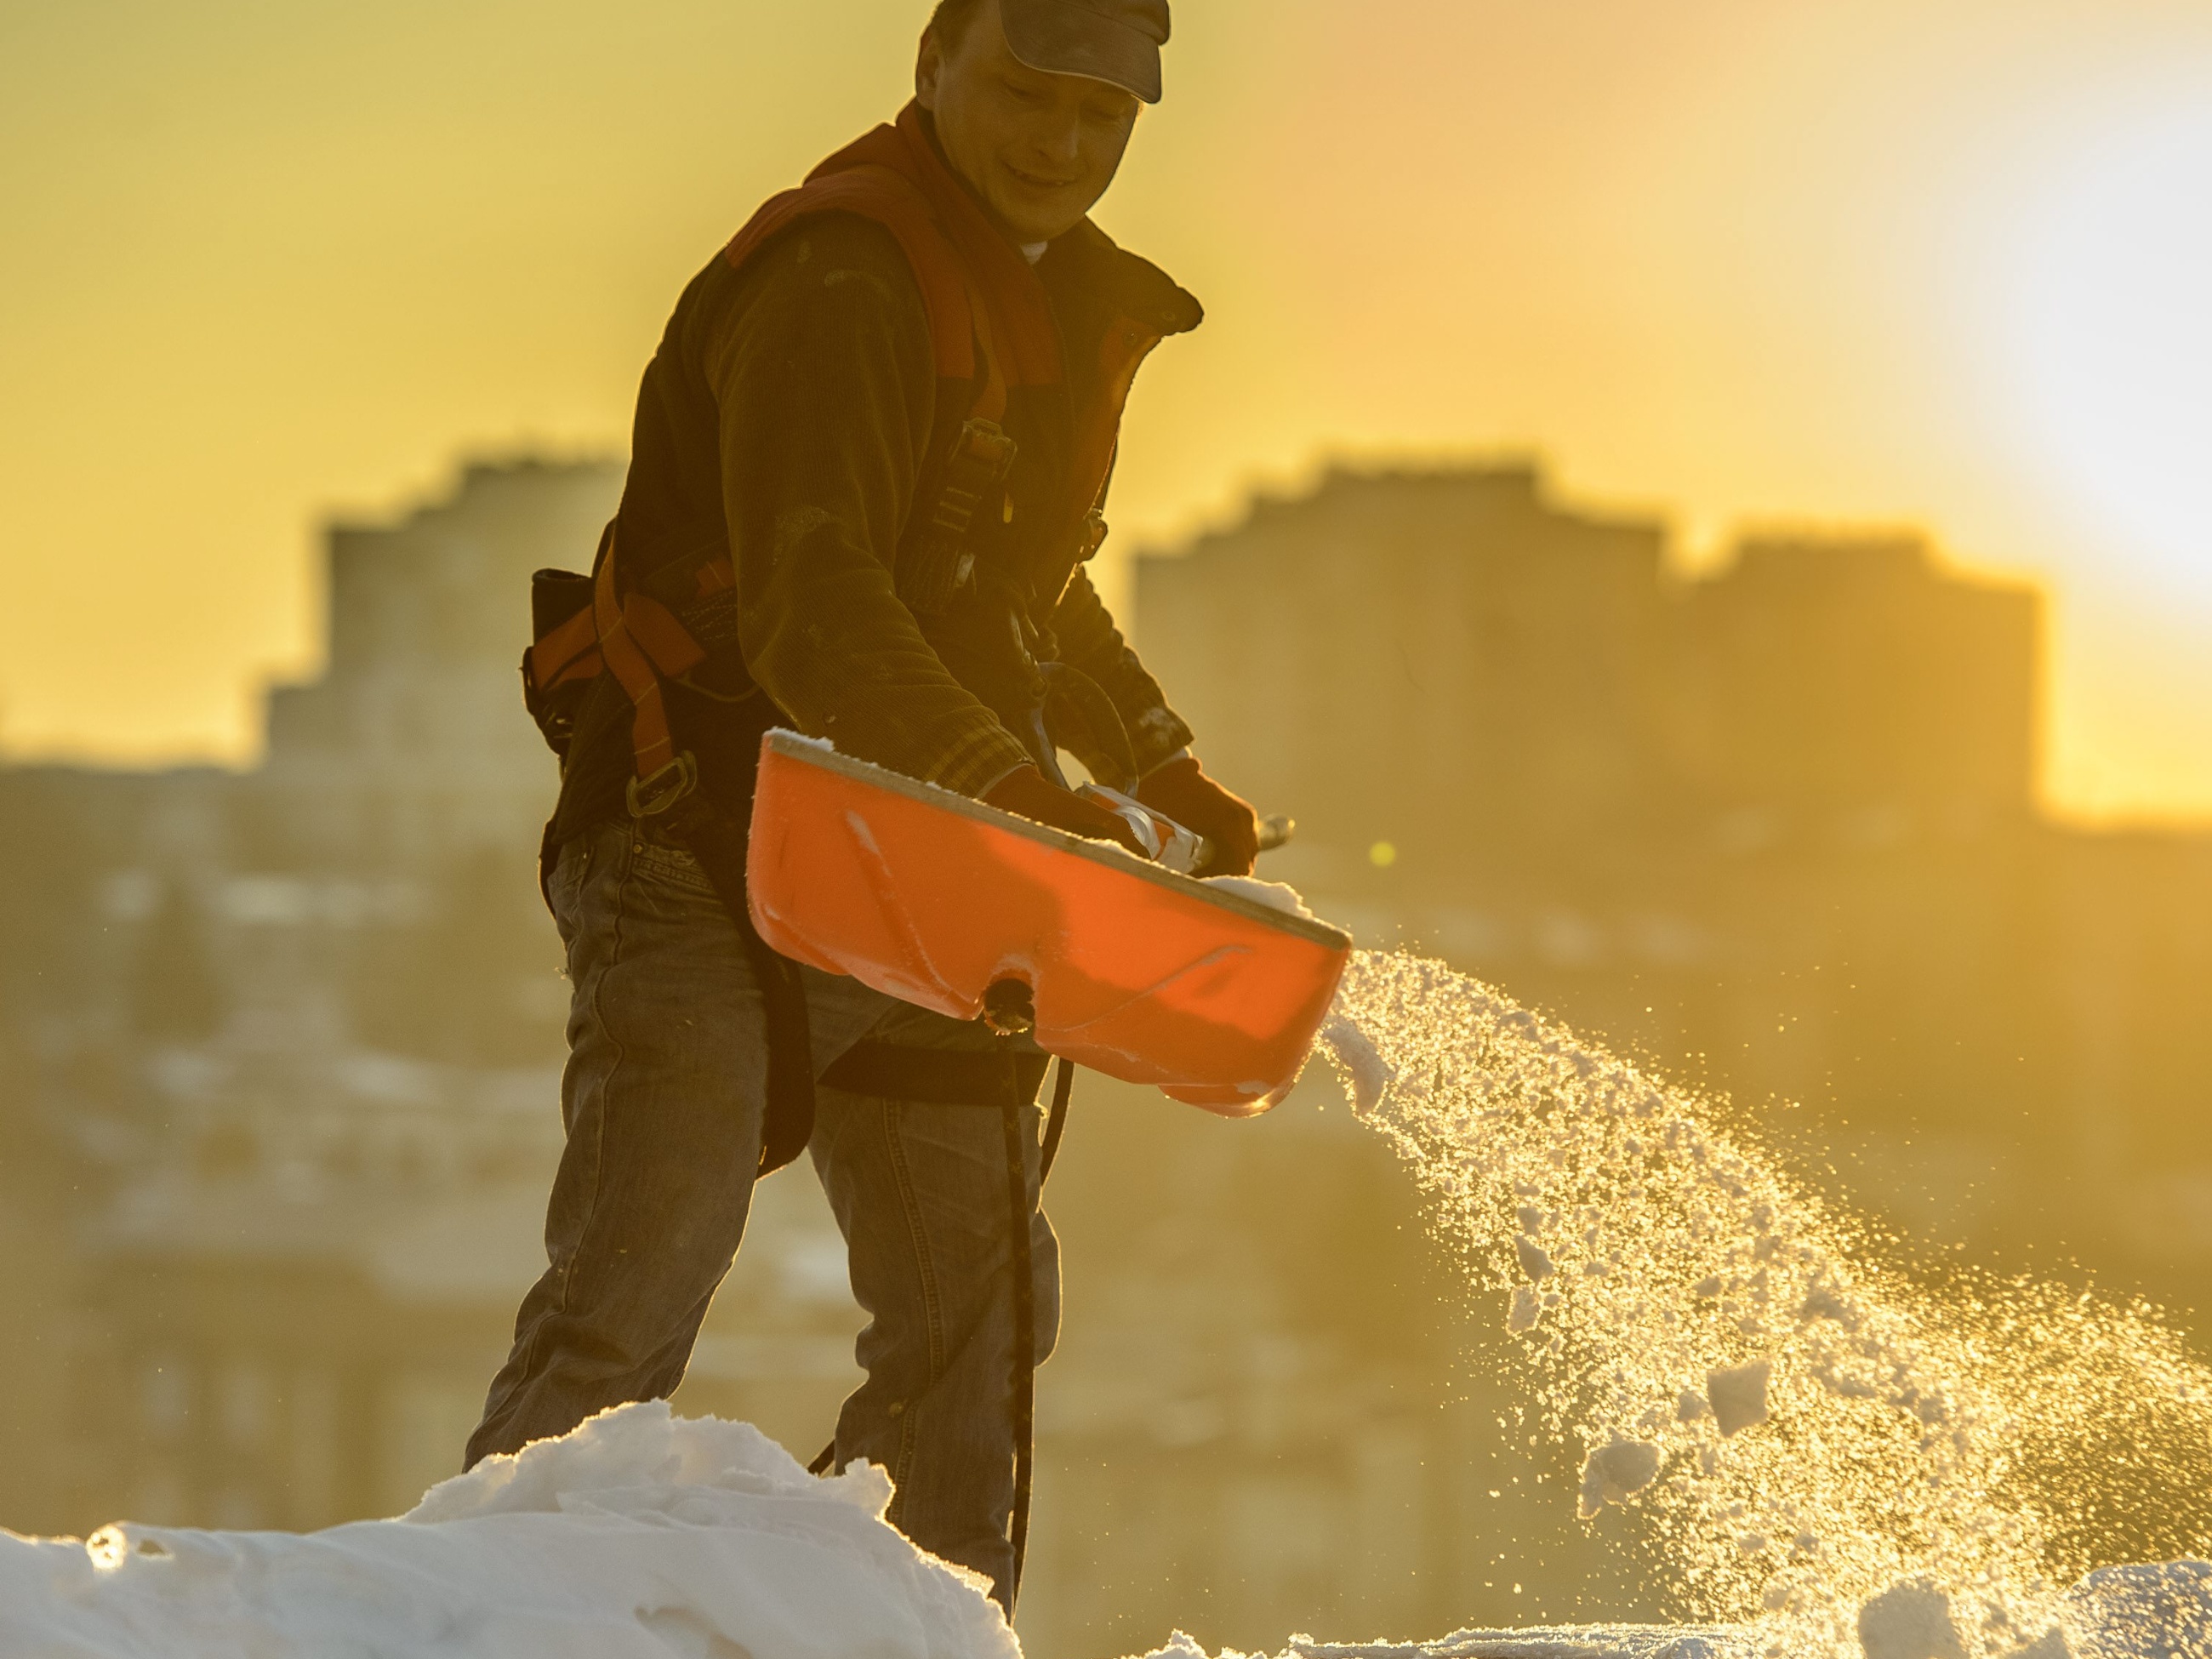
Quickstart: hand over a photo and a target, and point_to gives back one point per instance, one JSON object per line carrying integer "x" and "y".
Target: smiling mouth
{"x": 1033, "y": 181}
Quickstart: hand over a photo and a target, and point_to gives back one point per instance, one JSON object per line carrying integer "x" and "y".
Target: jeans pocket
{"x": 662, "y": 860}
{"x": 564, "y": 891}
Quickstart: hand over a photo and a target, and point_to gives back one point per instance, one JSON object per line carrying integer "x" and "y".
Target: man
{"x": 868, "y": 459}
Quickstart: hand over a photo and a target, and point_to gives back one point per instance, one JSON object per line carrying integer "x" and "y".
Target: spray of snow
{"x": 638, "y": 1536}
{"x": 1833, "y": 1456}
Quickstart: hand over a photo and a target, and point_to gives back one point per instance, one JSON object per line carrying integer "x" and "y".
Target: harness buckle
{"x": 985, "y": 444}
{"x": 649, "y": 796}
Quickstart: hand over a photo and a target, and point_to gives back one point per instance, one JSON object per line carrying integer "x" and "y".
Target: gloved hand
{"x": 1181, "y": 791}
{"x": 1029, "y": 793}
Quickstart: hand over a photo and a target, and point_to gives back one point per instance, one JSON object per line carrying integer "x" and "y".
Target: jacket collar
{"x": 1131, "y": 287}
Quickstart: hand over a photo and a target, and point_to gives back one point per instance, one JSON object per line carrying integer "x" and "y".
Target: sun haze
{"x": 1869, "y": 262}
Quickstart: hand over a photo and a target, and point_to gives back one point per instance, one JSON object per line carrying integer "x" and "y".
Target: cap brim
{"x": 1072, "y": 39}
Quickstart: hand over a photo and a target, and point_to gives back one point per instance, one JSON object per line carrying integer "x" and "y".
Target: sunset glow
{"x": 2111, "y": 341}
{"x": 1844, "y": 265}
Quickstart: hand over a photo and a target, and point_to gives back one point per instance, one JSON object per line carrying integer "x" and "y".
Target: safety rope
{"x": 1024, "y": 1266}
{"x": 870, "y": 1065}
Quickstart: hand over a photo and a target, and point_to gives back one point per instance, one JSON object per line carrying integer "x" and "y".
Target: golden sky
{"x": 1938, "y": 262}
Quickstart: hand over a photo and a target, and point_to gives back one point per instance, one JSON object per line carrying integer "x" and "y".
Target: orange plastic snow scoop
{"x": 934, "y": 898}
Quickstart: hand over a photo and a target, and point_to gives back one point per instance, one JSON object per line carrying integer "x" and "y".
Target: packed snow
{"x": 645, "y": 1536}
{"x": 1273, "y": 894}
{"x": 640, "y": 1535}
{"x": 2116, "y": 1613}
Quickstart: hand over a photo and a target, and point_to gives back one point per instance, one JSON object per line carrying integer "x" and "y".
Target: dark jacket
{"x": 792, "y": 413}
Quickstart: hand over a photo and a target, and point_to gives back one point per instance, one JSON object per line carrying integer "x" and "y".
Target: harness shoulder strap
{"x": 949, "y": 294}
{"x": 973, "y": 466}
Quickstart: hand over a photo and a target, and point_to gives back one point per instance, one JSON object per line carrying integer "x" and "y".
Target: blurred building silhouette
{"x": 1451, "y": 664}
{"x": 279, "y": 1050}
{"x": 292, "y": 1033}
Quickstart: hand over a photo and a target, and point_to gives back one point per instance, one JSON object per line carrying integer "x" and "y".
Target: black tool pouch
{"x": 556, "y": 598}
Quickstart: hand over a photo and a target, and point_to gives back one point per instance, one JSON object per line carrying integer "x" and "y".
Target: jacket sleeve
{"x": 822, "y": 371}
{"x": 1090, "y": 641}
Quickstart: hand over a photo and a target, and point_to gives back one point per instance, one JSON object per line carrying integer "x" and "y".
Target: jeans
{"x": 663, "y": 1102}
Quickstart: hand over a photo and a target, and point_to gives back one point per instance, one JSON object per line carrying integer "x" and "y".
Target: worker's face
{"x": 1038, "y": 149}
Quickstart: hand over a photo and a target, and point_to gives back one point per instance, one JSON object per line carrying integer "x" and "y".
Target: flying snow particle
{"x": 1616, "y": 1471}
{"x": 1535, "y": 1261}
{"x": 1691, "y": 1406}
{"x": 1362, "y": 1062}
{"x": 1525, "y": 1312}
{"x": 1909, "y": 1620}
{"x": 1822, "y": 1302}
{"x": 1739, "y": 1395}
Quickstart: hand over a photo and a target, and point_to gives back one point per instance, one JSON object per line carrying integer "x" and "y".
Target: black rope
{"x": 1063, "y": 1089}
{"x": 1025, "y": 1370}
{"x": 1021, "y": 1211}
{"x": 1024, "y": 1209}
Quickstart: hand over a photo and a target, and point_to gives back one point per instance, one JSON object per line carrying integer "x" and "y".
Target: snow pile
{"x": 2116, "y": 1613}
{"x": 638, "y": 1536}
{"x": 1567, "y": 1642}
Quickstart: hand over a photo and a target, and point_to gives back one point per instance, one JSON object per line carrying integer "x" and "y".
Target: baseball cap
{"x": 1116, "y": 41}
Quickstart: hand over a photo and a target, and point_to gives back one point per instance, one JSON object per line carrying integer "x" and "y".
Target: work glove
{"x": 1181, "y": 791}
{"x": 1027, "y": 793}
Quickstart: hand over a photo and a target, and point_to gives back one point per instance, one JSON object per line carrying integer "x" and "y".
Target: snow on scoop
{"x": 934, "y": 898}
